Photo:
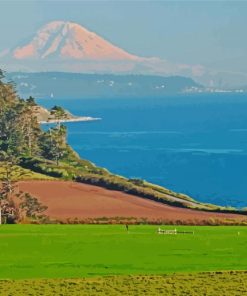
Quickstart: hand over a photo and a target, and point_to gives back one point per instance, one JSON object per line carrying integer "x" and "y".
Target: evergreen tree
{"x": 21, "y": 137}
{"x": 53, "y": 143}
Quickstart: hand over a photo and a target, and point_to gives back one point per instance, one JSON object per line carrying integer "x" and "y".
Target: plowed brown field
{"x": 76, "y": 200}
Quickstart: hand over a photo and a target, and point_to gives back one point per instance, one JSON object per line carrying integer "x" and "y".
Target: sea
{"x": 194, "y": 143}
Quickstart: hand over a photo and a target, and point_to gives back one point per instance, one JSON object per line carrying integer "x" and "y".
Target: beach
{"x": 76, "y": 119}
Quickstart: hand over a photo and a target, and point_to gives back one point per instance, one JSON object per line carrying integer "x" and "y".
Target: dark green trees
{"x": 53, "y": 143}
{"x": 20, "y": 133}
{"x": 30, "y": 207}
{"x": 20, "y": 138}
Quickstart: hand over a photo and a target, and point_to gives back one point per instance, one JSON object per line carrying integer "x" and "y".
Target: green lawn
{"x": 74, "y": 251}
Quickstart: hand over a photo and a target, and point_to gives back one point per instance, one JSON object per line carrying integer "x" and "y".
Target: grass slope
{"x": 24, "y": 174}
{"x": 75, "y": 251}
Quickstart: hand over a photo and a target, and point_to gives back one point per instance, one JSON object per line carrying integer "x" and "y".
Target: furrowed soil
{"x": 75, "y": 200}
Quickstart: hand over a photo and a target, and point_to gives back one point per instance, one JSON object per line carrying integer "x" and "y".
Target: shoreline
{"x": 77, "y": 119}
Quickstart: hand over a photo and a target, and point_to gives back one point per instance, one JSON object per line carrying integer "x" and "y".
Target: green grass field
{"x": 75, "y": 251}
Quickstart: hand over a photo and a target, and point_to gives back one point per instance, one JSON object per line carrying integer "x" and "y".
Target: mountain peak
{"x": 68, "y": 40}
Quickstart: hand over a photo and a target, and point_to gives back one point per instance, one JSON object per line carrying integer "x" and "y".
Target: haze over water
{"x": 195, "y": 144}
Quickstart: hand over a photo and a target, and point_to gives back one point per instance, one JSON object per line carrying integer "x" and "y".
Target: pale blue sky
{"x": 205, "y": 32}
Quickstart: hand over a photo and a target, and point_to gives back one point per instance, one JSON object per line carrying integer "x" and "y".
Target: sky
{"x": 194, "y": 32}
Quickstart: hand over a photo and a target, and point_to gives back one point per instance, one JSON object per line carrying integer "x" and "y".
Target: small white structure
{"x": 167, "y": 231}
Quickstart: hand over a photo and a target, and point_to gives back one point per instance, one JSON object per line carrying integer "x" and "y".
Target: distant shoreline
{"x": 77, "y": 119}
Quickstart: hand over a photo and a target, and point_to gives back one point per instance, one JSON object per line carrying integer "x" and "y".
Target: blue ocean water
{"x": 195, "y": 144}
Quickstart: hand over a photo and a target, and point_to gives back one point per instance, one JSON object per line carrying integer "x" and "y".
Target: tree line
{"x": 22, "y": 137}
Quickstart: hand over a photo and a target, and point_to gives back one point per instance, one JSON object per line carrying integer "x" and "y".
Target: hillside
{"x": 41, "y": 113}
{"x": 27, "y": 152}
{"x": 44, "y": 115}
{"x": 71, "y": 85}
{"x": 71, "y": 202}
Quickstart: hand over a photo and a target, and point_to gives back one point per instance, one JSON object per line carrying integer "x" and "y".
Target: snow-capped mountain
{"x": 69, "y": 47}
{"x": 62, "y": 46}
{"x": 69, "y": 40}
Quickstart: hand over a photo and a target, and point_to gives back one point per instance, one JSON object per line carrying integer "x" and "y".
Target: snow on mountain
{"x": 68, "y": 47}
{"x": 69, "y": 40}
